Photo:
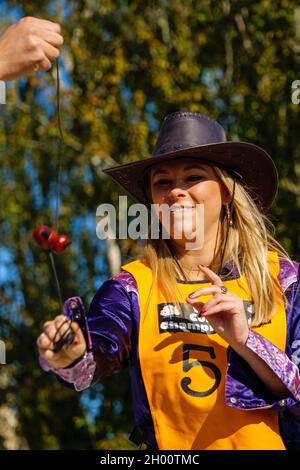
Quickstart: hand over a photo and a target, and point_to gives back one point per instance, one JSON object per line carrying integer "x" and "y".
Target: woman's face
{"x": 182, "y": 185}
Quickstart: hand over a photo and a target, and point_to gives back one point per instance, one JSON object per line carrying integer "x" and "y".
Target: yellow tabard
{"x": 184, "y": 362}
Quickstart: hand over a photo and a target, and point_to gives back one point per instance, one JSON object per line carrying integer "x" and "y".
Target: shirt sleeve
{"x": 244, "y": 389}
{"x": 109, "y": 322}
{"x": 80, "y": 375}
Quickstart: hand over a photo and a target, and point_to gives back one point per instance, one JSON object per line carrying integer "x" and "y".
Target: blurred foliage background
{"x": 124, "y": 66}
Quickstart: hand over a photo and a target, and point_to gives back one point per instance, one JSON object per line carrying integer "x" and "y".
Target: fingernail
{"x": 192, "y": 295}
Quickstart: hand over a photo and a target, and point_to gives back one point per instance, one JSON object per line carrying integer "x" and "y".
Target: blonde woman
{"x": 210, "y": 324}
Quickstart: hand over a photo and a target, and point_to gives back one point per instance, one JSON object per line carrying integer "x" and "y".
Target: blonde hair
{"x": 249, "y": 240}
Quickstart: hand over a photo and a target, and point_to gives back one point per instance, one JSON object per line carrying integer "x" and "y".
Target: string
{"x": 58, "y": 182}
{"x": 57, "y": 283}
{"x": 66, "y": 338}
{"x": 60, "y": 151}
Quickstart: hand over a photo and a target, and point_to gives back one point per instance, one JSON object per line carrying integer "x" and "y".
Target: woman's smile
{"x": 180, "y": 210}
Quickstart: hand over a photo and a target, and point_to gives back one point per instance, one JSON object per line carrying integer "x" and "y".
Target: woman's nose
{"x": 178, "y": 191}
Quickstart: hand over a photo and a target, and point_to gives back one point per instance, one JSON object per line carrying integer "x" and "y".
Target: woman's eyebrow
{"x": 158, "y": 171}
{"x": 192, "y": 166}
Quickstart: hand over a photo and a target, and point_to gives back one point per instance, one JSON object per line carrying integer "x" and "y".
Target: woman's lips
{"x": 181, "y": 208}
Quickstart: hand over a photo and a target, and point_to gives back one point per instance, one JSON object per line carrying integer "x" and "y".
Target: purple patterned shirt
{"x": 113, "y": 321}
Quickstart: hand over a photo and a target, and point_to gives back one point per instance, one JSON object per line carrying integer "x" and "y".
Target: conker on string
{"x": 49, "y": 239}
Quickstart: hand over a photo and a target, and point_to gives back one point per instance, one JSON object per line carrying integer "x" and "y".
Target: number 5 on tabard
{"x": 186, "y": 365}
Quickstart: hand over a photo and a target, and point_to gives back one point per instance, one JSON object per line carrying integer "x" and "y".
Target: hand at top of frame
{"x": 27, "y": 46}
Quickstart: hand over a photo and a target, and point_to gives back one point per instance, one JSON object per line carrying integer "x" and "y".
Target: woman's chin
{"x": 186, "y": 240}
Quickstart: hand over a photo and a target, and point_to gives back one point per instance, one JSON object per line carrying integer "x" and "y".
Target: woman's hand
{"x": 55, "y": 329}
{"x": 225, "y": 312}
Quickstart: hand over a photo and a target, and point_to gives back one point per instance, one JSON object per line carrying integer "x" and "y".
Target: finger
{"x": 78, "y": 344}
{"x": 205, "y": 291}
{"x": 43, "y": 64}
{"x": 79, "y": 337}
{"x": 50, "y": 25}
{"x": 211, "y": 275}
{"x": 51, "y": 37}
{"x": 76, "y": 328}
{"x": 60, "y": 319}
{"x": 51, "y": 328}
{"x": 194, "y": 301}
{"x": 49, "y": 355}
{"x": 42, "y": 353}
{"x": 50, "y": 51}
{"x": 62, "y": 333}
{"x": 217, "y": 299}
{"x": 43, "y": 56}
{"x": 220, "y": 307}
{"x": 62, "y": 325}
{"x": 204, "y": 306}
{"x": 196, "y": 304}
{"x": 43, "y": 341}
{"x": 41, "y": 23}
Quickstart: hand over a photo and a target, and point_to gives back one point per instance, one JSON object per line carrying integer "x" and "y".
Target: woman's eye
{"x": 194, "y": 177}
{"x": 164, "y": 182}
{"x": 161, "y": 182}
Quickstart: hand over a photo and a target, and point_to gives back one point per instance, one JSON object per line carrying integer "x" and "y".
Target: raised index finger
{"x": 211, "y": 275}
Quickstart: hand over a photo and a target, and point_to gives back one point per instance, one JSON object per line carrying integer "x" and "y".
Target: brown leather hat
{"x": 186, "y": 134}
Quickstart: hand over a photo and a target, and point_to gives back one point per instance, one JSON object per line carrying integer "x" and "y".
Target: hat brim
{"x": 257, "y": 170}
